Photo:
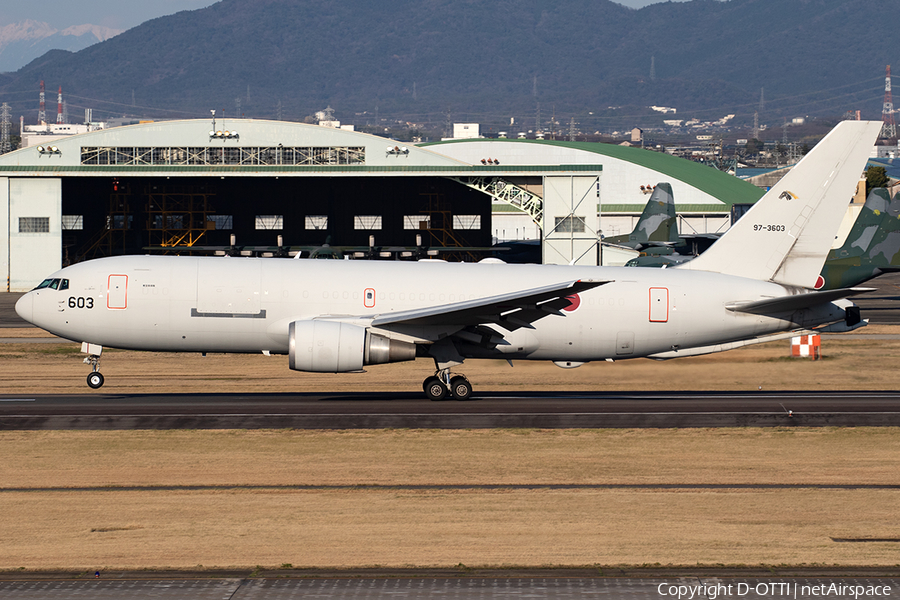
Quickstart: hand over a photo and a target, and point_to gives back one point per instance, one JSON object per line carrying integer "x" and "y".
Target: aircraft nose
{"x": 25, "y": 307}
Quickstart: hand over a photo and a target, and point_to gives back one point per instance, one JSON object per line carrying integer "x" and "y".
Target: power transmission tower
{"x": 762, "y": 99}
{"x": 279, "y": 113}
{"x": 5, "y": 144}
{"x": 42, "y": 112}
{"x": 756, "y": 125}
{"x": 652, "y": 68}
{"x": 572, "y": 129}
{"x": 888, "y": 128}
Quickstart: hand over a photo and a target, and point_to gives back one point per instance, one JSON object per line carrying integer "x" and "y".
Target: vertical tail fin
{"x": 872, "y": 246}
{"x": 658, "y": 222}
{"x": 873, "y": 221}
{"x": 788, "y": 233}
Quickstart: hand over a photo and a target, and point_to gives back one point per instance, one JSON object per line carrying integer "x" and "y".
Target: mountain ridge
{"x": 22, "y": 42}
{"x": 476, "y": 61}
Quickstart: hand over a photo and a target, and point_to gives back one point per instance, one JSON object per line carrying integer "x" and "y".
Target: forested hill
{"x": 474, "y": 59}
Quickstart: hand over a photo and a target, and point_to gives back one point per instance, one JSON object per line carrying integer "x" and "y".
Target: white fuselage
{"x": 214, "y": 304}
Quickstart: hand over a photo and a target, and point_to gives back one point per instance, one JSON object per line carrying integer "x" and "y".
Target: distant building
{"x": 637, "y": 134}
{"x": 466, "y": 131}
{"x": 325, "y": 118}
{"x": 47, "y": 133}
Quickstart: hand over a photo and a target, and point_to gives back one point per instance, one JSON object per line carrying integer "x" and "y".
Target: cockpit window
{"x": 53, "y": 284}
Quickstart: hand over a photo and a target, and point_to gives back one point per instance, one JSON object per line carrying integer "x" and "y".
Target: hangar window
{"x": 34, "y": 224}
{"x": 570, "y": 224}
{"x": 220, "y": 222}
{"x": 119, "y": 221}
{"x": 242, "y": 155}
{"x": 316, "y": 222}
{"x": 269, "y": 221}
{"x": 416, "y": 221}
{"x": 367, "y": 222}
{"x": 466, "y": 221}
{"x": 72, "y": 222}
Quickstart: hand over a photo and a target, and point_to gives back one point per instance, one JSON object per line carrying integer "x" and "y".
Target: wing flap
{"x": 511, "y": 311}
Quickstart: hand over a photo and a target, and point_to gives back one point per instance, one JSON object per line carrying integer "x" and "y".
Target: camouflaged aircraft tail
{"x": 658, "y": 224}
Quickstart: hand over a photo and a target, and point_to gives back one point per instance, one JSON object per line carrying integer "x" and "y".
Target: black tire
{"x": 460, "y": 388}
{"x": 95, "y": 380}
{"x": 434, "y": 389}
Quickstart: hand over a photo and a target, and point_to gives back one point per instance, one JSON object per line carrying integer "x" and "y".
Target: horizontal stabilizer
{"x": 794, "y": 302}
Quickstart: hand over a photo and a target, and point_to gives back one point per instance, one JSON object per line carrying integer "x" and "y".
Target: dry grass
{"x": 440, "y": 457}
{"x": 349, "y": 527}
{"x": 401, "y": 528}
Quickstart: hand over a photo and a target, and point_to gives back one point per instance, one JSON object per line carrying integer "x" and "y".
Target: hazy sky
{"x": 122, "y": 14}
{"x": 118, "y": 14}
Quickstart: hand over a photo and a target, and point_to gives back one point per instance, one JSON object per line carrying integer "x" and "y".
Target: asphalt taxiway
{"x": 409, "y": 410}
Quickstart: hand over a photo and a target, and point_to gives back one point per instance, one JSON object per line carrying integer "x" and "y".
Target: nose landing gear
{"x": 442, "y": 384}
{"x": 95, "y": 378}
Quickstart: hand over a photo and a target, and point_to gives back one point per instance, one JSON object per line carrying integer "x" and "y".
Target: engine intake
{"x": 335, "y": 347}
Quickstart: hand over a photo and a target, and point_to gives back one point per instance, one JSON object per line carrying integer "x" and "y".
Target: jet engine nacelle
{"x": 335, "y": 347}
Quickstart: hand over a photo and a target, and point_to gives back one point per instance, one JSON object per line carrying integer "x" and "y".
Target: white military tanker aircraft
{"x": 753, "y": 285}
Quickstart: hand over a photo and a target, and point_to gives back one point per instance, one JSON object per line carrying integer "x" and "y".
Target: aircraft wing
{"x": 511, "y": 311}
{"x": 795, "y": 302}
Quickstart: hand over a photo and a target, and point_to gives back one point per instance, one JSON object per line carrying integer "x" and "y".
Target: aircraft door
{"x": 659, "y": 305}
{"x": 117, "y": 292}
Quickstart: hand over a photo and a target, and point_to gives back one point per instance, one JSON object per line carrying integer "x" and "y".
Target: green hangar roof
{"x": 625, "y": 169}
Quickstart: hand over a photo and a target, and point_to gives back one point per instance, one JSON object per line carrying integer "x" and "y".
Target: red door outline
{"x": 112, "y": 287}
{"x": 369, "y": 298}
{"x": 659, "y": 305}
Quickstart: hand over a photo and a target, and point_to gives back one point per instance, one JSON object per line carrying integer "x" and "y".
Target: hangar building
{"x": 276, "y": 185}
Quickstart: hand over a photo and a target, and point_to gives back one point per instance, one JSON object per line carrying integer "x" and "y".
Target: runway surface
{"x": 409, "y": 410}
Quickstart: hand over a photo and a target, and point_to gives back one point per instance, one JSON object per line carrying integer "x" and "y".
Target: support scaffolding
{"x": 509, "y": 193}
{"x": 114, "y": 238}
{"x": 440, "y": 228}
{"x": 177, "y": 217}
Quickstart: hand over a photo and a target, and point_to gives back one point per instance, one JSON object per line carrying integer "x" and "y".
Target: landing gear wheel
{"x": 460, "y": 388}
{"x": 95, "y": 380}
{"x": 434, "y": 389}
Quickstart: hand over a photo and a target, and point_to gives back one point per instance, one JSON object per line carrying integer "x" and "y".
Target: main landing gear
{"x": 95, "y": 379}
{"x": 442, "y": 384}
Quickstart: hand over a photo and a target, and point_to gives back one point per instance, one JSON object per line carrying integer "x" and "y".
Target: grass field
{"x": 200, "y": 498}
{"x": 184, "y": 517}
